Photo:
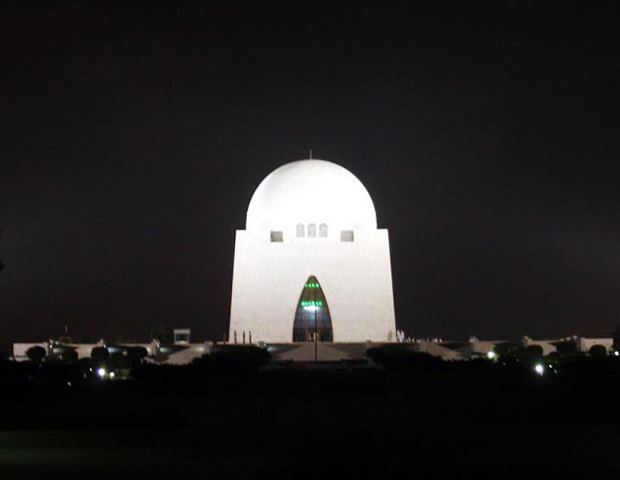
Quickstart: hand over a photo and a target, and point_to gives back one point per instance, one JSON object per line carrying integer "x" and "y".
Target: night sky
{"x": 134, "y": 137}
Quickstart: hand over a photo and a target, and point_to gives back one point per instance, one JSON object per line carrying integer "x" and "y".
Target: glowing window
{"x": 301, "y": 230}
{"x": 312, "y": 230}
{"x": 346, "y": 236}
{"x": 312, "y": 316}
{"x": 276, "y": 236}
{"x": 322, "y": 230}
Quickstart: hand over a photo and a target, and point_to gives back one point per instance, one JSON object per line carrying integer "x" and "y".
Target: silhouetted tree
{"x": 85, "y": 363}
{"x": 510, "y": 350}
{"x": 118, "y": 361}
{"x": 534, "y": 351}
{"x": 237, "y": 358}
{"x": 553, "y": 357}
{"x": 136, "y": 354}
{"x": 598, "y": 351}
{"x": 567, "y": 348}
{"x": 402, "y": 357}
{"x": 99, "y": 354}
{"x": 69, "y": 356}
{"x": 36, "y": 353}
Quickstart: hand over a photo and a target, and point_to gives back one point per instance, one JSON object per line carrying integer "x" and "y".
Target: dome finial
{"x": 310, "y": 153}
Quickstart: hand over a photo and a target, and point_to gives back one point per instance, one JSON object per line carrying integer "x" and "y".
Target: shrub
{"x": 554, "y": 358}
{"x": 36, "y": 353}
{"x": 567, "y": 348}
{"x": 136, "y": 354}
{"x": 69, "y": 356}
{"x": 99, "y": 354}
{"x": 534, "y": 351}
{"x": 60, "y": 375}
{"x": 598, "y": 351}
{"x": 510, "y": 350}
{"x": 402, "y": 357}
{"x": 238, "y": 358}
{"x": 118, "y": 361}
{"x": 85, "y": 363}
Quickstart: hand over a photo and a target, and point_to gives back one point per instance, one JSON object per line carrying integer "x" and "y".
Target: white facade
{"x": 585, "y": 344}
{"x": 174, "y": 356}
{"x": 311, "y": 218}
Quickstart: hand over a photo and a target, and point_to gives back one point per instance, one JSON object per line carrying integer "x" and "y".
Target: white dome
{"x": 311, "y": 191}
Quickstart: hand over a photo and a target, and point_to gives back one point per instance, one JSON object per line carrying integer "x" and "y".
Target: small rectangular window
{"x": 276, "y": 236}
{"x": 346, "y": 236}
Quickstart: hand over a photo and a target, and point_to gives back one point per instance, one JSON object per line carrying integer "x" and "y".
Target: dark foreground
{"x": 470, "y": 421}
{"x": 568, "y": 451}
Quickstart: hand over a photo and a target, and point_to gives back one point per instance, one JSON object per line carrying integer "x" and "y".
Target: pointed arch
{"x": 312, "y": 314}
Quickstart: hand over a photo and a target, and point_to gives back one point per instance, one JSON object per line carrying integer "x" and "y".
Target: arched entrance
{"x": 312, "y": 314}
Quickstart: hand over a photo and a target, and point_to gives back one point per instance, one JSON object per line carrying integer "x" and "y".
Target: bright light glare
{"x": 311, "y": 308}
{"x": 111, "y": 374}
{"x": 491, "y": 355}
{"x": 101, "y": 372}
{"x": 616, "y": 353}
{"x": 540, "y": 369}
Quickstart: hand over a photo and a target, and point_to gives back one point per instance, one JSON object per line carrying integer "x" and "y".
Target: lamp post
{"x": 316, "y": 324}
{"x": 316, "y": 335}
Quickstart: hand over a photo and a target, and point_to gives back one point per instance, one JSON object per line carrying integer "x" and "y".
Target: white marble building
{"x": 311, "y": 261}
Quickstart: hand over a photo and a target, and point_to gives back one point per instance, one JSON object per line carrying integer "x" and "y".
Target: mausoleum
{"x": 311, "y": 261}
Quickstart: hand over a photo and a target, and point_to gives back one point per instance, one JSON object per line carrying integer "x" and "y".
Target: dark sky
{"x": 134, "y": 137}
